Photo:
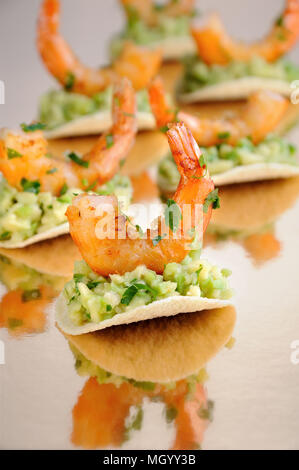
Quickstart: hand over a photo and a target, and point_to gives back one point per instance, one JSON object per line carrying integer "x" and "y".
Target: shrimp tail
{"x": 195, "y": 184}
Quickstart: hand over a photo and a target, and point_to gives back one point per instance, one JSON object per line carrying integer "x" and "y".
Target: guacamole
{"x": 58, "y": 107}
{"x": 224, "y": 157}
{"x": 85, "y": 367}
{"x": 141, "y": 34}
{"x": 197, "y": 74}
{"x": 24, "y": 214}
{"x": 93, "y": 298}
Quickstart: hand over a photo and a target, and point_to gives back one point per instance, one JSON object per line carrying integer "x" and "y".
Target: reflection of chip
{"x": 253, "y": 205}
{"x": 159, "y": 350}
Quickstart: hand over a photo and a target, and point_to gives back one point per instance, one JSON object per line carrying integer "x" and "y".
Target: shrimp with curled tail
{"x": 138, "y": 64}
{"x": 215, "y": 46}
{"x": 108, "y": 255}
{"x": 261, "y": 114}
{"x": 24, "y": 156}
{"x": 148, "y": 12}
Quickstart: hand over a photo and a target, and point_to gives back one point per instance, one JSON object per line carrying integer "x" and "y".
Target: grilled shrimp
{"x": 24, "y": 156}
{"x": 261, "y": 115}
{"x": 148, "y": 12}
{"x": 215, "y": 46}
{"x": 111, "y": 253}
{"x": 136, "y": 63}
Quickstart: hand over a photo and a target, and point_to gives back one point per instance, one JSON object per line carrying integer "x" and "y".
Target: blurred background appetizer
{"x": 83, "y": 105}
{"x": 225, "y": 69}
{"x": 157, "y": 26}
{"x": 38, "y": 187}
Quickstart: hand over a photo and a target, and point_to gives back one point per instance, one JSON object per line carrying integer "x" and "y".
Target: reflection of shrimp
{"x": 261, "y": 114}
{"x": 107, "y": 256}
{"x": 25, "y": 317}
{"x": 148, "y": 12}
{"x": 137, "y": 64}
{"x": 215, "y": 46}
{"x": 99, "y": 165}
{"x": 100, "y": 413}
{"x": 262, "y": 246}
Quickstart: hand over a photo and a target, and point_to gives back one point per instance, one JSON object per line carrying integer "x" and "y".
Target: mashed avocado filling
{"x": 24, "y": 214}
{"x": 85, "y": 367}
{"x": 198, "y": 74}
{"x": 224, "y": 157}
{"x": 93, "y": 298}
{"x": 138, "y": 32}
{"x": 58, "y": 107}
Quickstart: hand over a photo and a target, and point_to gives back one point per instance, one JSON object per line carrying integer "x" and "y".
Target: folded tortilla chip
{"x": 238, "y": 89}
{"x": 161, "y": 308}
{"x": 160, "y": 350}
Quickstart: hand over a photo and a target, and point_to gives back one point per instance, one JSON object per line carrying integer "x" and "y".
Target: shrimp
{"x": 109, "y": 254}
{"x": 149, "y": 13}
{"x": 24, "y": 156}
{"x": 136, "y": 63}
{"x": 261, "y": 114}
{"x": 215, "y": 46}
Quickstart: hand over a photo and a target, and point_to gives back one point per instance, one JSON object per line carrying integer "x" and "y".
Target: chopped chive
{"x": 76, "y": 159}
{"x": 5, "y": 236}
{"x": 157, "y": 239}
{"x": 109, "y": 140}
{"x": 31, "y": 295}
{"x": 108, "y": 308}
{"x": 172, "y": 215}
{"x": 30, "y": 186}
{"x": 69, "y": 81}
{"x": 51, "y": 171}
{"x": 224, "y": 135}
{"x": 213, "y": 199}
{"x": 171, "y": 414}
{"x": 12, "y": 153}
{"x": 64, "y": 189}
{"x": 164, "y": 129}
{"x": 14, "y": 323}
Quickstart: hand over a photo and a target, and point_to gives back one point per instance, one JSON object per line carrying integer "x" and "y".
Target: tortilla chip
{"x": 55, "y": 257}
{"x": 48, "y": 234}
{"x": 161, "y": 308}
{"x": 255, "y": 172}
{"x": 238, "y": 89}
{"x": 160, "y": 350}
{"x": 149, "y": 148}
{"x": 96, "y": 124}
{"x": 253, "y": 205}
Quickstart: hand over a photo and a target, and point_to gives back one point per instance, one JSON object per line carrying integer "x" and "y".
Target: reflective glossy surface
{"x": 254, "y": 386}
